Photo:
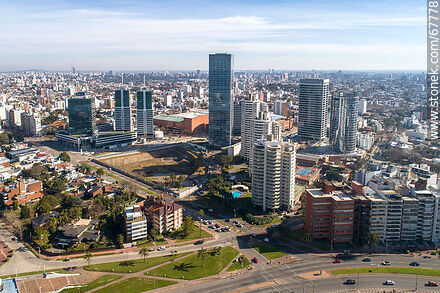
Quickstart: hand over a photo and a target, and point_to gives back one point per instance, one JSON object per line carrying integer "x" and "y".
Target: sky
{"x": 153, "y": 35}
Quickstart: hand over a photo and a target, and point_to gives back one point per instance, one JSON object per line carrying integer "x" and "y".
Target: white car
{"x": 389, "y": 282}
{"x": 386, "y": 263}
{"x": 266, "y": 240}
{"x": 162, "y": 248}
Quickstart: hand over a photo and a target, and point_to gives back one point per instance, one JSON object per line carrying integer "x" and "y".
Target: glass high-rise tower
{"x": 82, "y": 114}
{"x": 343, "y": 121}
{"x": 313, "y": 108}
{"x": 144, "y": 112}
{"x": 122, "y": 110}
{"x": 221, "y": 105}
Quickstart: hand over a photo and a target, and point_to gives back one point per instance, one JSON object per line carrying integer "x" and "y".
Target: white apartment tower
{"x": 123, "y": 115}
{"x": 273, "y": 178}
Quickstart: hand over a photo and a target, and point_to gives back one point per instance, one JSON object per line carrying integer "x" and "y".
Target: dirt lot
{"x": 158, "y": 163}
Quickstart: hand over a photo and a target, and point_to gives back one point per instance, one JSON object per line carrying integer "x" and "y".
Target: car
{"x": 66, "y": 259}
{"x": 198, "y": 242}
{"x": 254, "y": 235}
{"x": 266, "y": 240}
{"x": 227, "y": 220}
{"x": 13, "y": 239}
{"x": 255, "y": 260}
{"x": 210, "y": 210}
{"x": 337, "y": 260}
{"x": 367, "y": 259}
{"x": 432, "y": 284}
{"x": 217, "y": 225}
{"x": 151, "y": 249}
{"x": 389, "y": 283}
{"x": 414, "y": 264}
{"x": 350, "y": 282}
{"x": 386, "y": 263}
{"x": 426, "y": 257}
{"x": 162, "y": 248}
{"x": 239, "y": 225}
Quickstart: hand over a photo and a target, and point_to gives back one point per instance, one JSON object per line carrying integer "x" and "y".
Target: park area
{"x": 268, "y": 251}
{"x": 157, "y": 165}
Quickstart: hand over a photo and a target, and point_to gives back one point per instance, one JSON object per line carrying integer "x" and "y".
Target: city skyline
{"x": 169, "y": 35}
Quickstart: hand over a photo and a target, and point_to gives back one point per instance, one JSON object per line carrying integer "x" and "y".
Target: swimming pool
{"x": 236, "y": 194}
{"x": 9, "y": 286}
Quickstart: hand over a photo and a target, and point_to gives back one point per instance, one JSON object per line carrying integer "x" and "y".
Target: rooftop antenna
{"x": 122, "y": 78}
{"x": 144, "y": 80}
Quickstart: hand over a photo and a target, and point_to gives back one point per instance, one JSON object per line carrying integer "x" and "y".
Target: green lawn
{"x": 61, "y": 271}
{"x": 95, "y": 284}
{"x": 132, "y": 266}
{"x": 236, "y": 265}
{"x": 135, "y": 285}
{"x": 195, "y": 234}
{"x": 389, "y": 270}
{"x": 268, "y": 251}
{"x": 191, "y": 267}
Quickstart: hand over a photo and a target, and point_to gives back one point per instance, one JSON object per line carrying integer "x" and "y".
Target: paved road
{"x": 287, "y": 274}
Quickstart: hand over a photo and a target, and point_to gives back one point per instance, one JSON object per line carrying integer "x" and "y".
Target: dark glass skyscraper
{"x": 221, "y": 106}
{"x": 82, "y": 114}
{"x": 144, "y": 112}
{"x": 313, "y": 108}
{"x": 122, "y": 110}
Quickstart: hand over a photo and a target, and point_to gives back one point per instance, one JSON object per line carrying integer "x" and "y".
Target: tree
{"x": 225, "y": 161}
{"x": 25, "y": 212}
{"x": 85, "y": 168}
{"x": 172, "y": 178}
{"x": 307, "y": 238}
{"x": 64, "y": 156}
{"x": 37, "y": 171}
{"x": 5, "y": 138}
{"x": 201, "y": 213}
{"x": 15, "y": 204}
{"x": 100, "y": 172}
{"x": 202, "y": 254}
{"x": 69, "y": 201}
{"x": 179, "y": 182}
{"x": 88, "y": 257}
{"x": 143, "y": 252}
{"x": 46, "y": 204}
{"x": 56, "y": 185}
{"x": 373, "y": 239}
{"x": 120, "y": 240}
{"x": 217, "y": 250}
{"x": 187, "y": 226}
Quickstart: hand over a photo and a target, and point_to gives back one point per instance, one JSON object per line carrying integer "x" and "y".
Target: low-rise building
{"x": 82, "y": 229}
{"x": 22, "y": 191}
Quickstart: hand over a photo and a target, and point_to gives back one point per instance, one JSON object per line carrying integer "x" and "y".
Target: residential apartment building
{"x": 22, "y": 191}
{"x": 163, "y": 216}
{"x": 273, "y": 175}
{"x": 136, "y": 227}
{"x": 329, "y": 215}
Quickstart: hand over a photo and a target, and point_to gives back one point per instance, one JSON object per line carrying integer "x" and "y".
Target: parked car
{"x": 367, "y": 259}
{"x": 66, "y": 259}
{"x": 350, "y": 282}
{"x": 198, "y": 242}
{"x": 432, "y": 284}
{"x": 255, "y": 260}
{"x": 414, "y": 264}
{"x": 217, "y": 225}
{"x": 239, "y": 225}
{"x": 162, "y": 248}
{"x": 254, "y": 235}
{"x": 337, "y": 260}
{"x": 386, "y": 263}
{"x": 266, "y": 240}
{"x": 210, "y": 210}
{"x": 389, "y": 282}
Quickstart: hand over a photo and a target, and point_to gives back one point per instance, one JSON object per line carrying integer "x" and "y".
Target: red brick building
{"x": 329, "y": 215}
{"x": 163, "y": 215}
{"x": 22, "y": 190}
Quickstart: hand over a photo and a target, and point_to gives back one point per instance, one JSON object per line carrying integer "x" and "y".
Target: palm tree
{"x": 307, "y": 238}
{"x": 88, "y": 257}
{"x": 217, "y": 250}
{"x": 201, "y": 254}
{"x": 143, "y": 252}
{"x": 373, "y": 239}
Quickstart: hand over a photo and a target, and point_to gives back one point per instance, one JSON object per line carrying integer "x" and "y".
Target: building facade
{"x": 123, "y": 116}
{"x": 144, "y": 112}
{"x": 82, "y": 114}
{"x": 220, "y": 99}
{"x": 273, "y": 175}
{"x": 136, "y": 227}
{"x": 313, "y": 109}
{"x": 344, "y": 122}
